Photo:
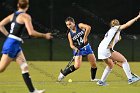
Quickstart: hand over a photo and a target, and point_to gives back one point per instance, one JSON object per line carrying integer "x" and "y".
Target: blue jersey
{"x": 77, "y": 37}
{"x": 78, "y": 42}
{"x": 16, "y": 28}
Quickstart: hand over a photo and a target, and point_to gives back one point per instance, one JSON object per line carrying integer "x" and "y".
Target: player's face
{"x": 70, "y": 25}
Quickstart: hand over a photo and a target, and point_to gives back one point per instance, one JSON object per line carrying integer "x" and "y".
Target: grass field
{"x": 44, "y": 76}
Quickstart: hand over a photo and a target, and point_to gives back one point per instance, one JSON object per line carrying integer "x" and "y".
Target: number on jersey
{"x": 80, "y": 41}
{"x": 12, "y": 27}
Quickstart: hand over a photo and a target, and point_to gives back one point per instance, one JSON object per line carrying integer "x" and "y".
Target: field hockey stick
{"x": 101, "y": 20}
{"x": 135, "y": 75}
{"x": 70, "y": 62}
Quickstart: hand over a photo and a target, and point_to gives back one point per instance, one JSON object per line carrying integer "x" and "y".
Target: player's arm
{"x": 71, "y": 42}
{"x": 87, "y": 30}
{"x": 28, "y": 23}
{"x": 3, "y": 23}
{"x": 129, "y": 23}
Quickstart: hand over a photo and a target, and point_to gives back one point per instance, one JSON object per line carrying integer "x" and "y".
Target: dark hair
{"x": 69, "y": 19}
{"x": 23, "y": 4}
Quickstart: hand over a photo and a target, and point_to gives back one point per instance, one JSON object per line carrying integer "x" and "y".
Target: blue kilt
{"x": 11, "y": 47}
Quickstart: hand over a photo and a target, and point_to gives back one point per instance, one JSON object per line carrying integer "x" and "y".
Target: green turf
{"x": 44, "y": 76}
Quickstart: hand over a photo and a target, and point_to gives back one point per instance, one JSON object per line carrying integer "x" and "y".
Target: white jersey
{"x": 111, "y": 37}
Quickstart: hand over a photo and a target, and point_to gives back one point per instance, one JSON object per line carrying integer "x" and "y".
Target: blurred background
{"x": 51, "y": 14}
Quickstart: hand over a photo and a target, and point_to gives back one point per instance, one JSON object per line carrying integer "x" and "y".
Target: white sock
{"x": 105, "y": 73}
{"x": 127, "y": 70}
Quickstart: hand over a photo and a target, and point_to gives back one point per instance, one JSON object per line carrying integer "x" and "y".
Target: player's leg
{"x": 72, "y": 68}
{"x": 93, "y": 70}
{"x": 78, "y": 61}
{"x": 106, "y": 72}
{"x": 5, "y": 61}
{"x": 116, "y": 56}
{"x": 108, "y": 69}
{"x": 20, "y": 59}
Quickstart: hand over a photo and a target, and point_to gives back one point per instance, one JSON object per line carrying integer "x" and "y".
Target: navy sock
{"x": 93, "y": 72}
{"x": 69, "y": 70}
{"x": 28, "y": 81}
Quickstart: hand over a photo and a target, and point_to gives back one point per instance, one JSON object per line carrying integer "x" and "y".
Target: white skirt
{"x": 103, "y": 53}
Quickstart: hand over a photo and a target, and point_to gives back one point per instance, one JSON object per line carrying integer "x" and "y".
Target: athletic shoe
{"x": 101, "y": 83}
{"x": 38, "y": 91}
{"x": 61, "y": 76}
{"x": 95, "y": 80}
{"x": 133, "y": 80}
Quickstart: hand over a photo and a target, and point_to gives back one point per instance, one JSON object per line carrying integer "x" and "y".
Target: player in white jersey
{"x": 108, "y": 55}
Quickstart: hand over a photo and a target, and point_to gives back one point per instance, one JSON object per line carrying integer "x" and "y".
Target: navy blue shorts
{"x": 86, "y": 50}
{"x": 11, "y": 47}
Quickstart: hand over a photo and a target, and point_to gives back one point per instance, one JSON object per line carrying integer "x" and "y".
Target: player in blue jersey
{"x": 78, "y": 39}
{"x": 11, "y": 48}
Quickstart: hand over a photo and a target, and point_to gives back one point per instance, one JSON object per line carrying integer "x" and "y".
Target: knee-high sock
{"x": 105, "y": 73}
{"x": 127, "y": 70}
{"x": 28, "y": 81}
{"x": 93, "y": 72}
{"x": 69, "y": 70}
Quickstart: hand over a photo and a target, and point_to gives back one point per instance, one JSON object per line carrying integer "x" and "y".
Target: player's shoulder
{"x": 117, "y": 26}
{"x": 25, "y": 15}
{"x": 69, "y": 33}
{"x": 83, "y": 25}
{"x": 80, "y": 24}
{"x": 11, "y": 16}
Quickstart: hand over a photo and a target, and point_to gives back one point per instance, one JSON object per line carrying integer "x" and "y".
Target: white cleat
{"x": 61, "y": 76}
{"x": 95, "y": 80}
{"x": 133, "y": 80}
{"x": 38, "y": 91}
